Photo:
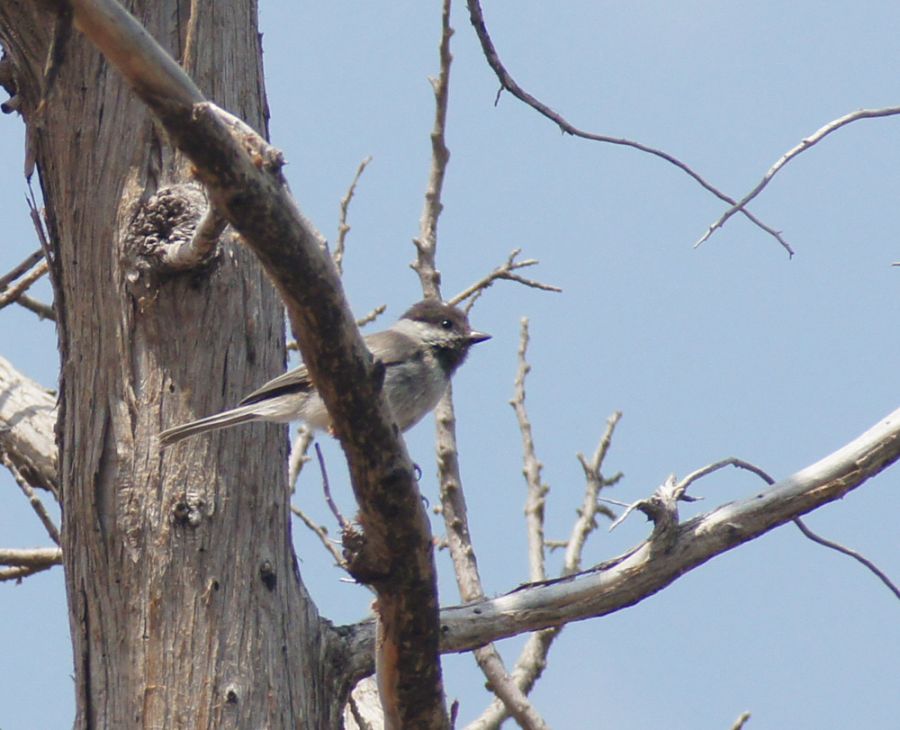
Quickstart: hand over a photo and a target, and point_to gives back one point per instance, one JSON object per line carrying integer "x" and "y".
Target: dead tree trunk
{"x": 185, "y": 602}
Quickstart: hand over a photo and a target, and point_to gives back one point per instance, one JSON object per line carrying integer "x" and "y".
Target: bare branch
{"x": 804, "y": 145}
{"x": 321, "y": 532}
{"x": 27, "y": 420}
{"x": 184, "y": 255}
{"x": 504, "y": 271}
{"x": 594, "y": 482}
{"x": 426, "y": 242}
{"x": 671, "y": 491}
{"x": 299, "y": 455}
{"x": 509, "y": 84}
{"x": 646, "y": 569}
{"x": 16, "y": 271}
{"x": 537, "y": 491}
{"x": 715, "y": 466}
{"x": 343, "y": 227}
{"x": 31, "y": 560}
{"x": 847, "y": 551}
{"x": 371, "y": 316}
{"x": 15, "y": 292}
{"x": 741, "y": 721}
{"x": 43, "y": 311}
{"x": 18, "y": 573}
{"x": 36, "y": 504}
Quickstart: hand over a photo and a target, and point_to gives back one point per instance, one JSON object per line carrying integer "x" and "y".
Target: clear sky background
{"x": 732, "y": 349}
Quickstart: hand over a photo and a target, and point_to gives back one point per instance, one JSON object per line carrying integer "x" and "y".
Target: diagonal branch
{"x": 15, "y": 292}
{"x": 645, "y": 570}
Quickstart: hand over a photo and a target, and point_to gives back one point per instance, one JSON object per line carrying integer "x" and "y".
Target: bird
{"x": 421, "y": 351}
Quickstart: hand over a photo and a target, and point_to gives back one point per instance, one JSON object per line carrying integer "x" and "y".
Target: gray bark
{"x": 185, "y": 602}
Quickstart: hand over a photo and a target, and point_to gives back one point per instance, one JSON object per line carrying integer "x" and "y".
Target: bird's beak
{"x": 476, "y": 337}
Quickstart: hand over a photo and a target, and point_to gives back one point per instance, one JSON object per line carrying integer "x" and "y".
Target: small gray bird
{"x": 420, "y": 352}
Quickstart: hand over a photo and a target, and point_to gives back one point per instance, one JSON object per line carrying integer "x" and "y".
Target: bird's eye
{"x": 446, "y": 324}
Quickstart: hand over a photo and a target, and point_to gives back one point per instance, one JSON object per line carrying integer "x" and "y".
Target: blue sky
{"x": 732, "y": 349}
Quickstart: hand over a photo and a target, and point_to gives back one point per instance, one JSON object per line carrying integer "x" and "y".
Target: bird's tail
{"x": 242, "y": 414}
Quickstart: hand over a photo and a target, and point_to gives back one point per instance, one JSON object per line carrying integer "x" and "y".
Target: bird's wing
{"x": 293, "y": 381}
{"x": 402, "y": 349}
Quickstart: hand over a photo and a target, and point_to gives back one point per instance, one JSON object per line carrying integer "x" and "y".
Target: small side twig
{"x": 321, "y": 532}
{"x": 661, "y": 506}
{"x": 299, "y": 455}
{"x": 371, "y": 316}
{"x": 741, "y": 721}
{"x": 326, "y": 489}
{"x": 851, "y": 553}
{"x": 185, "y": 255}
{"x": 36, "y": 504}
{"x": 591, "y": 506}
{"x": 343, "y": 227}
{"x": 505, "y": 272}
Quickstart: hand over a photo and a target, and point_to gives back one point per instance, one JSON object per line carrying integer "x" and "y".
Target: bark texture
{"x": 185, "y": 603}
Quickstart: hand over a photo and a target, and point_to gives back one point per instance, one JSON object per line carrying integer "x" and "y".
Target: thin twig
{"x": 730, "y": 461}
{"x": 847, "y": 551}
{"x": 321, "y": 532}
{"x": 36, "y": 504}
{"x": 49, "y": 256}
{"x": 12, "y": 294}
{"x": 371, "y": 316}
{"x": 504, "y": 271}
{"x": 804, "y": 145}
{"x": 531, "y": 467}
{"x": 20, "y": 269}
{"x": 343, "y": 227}
{"x": 426, "y": 242}
{"x": 299, "y": 455}
{"x": 741, "y": 721}
{"x": 594, "y": 482}
{"x": 326, "y": 489}
{"x": 509, "y": 84}
{"x": 674, "y": 491}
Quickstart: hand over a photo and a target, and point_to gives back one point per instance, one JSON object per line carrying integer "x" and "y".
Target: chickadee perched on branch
{"x": 420, "y": 352}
